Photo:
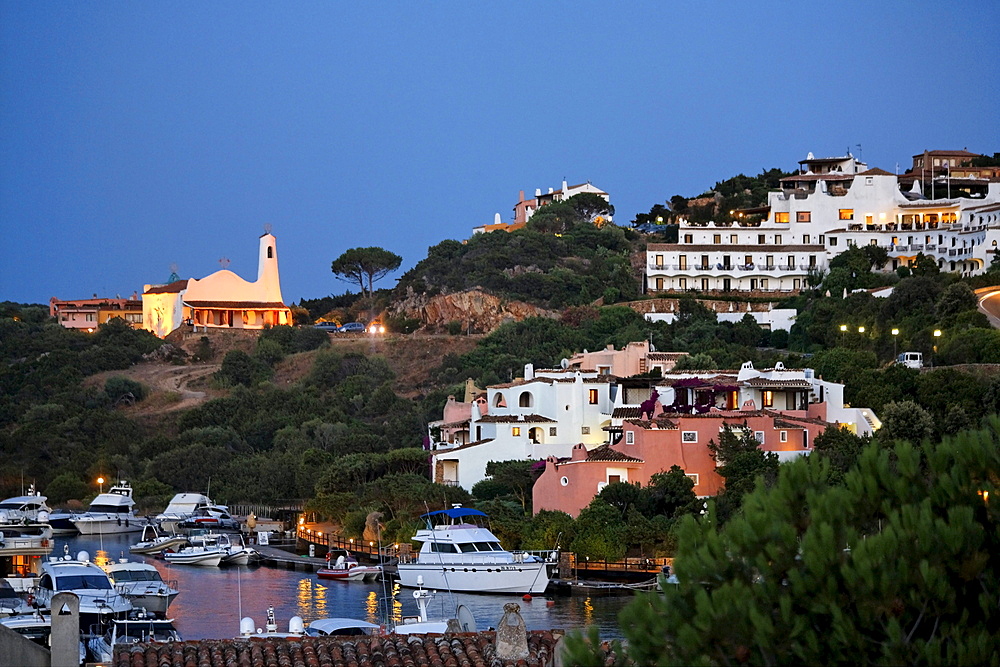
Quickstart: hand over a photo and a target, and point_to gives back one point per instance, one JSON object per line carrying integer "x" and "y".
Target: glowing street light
{"x": 937, "y": 334}
{"x": 861, "y": 329}
{"x": 100, "y": 480}
{"x": 895, "y": 332}
{"x": 843, "y": 327}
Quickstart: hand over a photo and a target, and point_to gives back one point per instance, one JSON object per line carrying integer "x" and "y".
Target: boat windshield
{"x": 471, "y": 547}
{"x": 136, "y": 575}
{"x": 11, "y": 506}
{"x": 111, "y": 509}
{"x": 75, "y": 582}
{"x": 156, "y": 631}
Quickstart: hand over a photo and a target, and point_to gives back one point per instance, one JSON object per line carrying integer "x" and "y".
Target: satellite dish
{"x": 564, "y": 364}
{"x": 465, "y": 618}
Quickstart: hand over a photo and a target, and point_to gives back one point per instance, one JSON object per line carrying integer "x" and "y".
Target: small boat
{"x": 232, "y": 554}
{"x": 142, "y": 584}
{"x": 463, "y": 621}
{"x": 134, "y": 630}
{"x": 347, "y": 568}
{"x": 460, "y": 555}
{"x": 207, "y": 555}
{"x": 38, "y": 628}
{"x": 152, "y": 542}
{"x": 111, "y": 512}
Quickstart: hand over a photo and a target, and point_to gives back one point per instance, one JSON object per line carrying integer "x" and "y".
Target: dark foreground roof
{"x": 471, "y": 649}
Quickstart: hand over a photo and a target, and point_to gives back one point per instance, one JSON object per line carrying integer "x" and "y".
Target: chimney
{"x": 538, "y": 192}
{"x": 520, "y": 197}
{"x": 529, "y": 372}
{"x": 512, "y": 635}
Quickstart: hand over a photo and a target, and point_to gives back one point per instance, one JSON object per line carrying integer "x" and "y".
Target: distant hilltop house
{"x": 222, "y": 300}
{"x": 525, "y": 208}
{"x": 943, "y": 208}
{"x": 90, "y": 313}
{"x": 554, "y": 412}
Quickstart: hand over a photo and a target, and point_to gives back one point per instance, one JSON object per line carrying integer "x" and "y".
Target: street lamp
{"x": 861, "y": 330}
{"x": 937, "y": 335}
{"x": 100, "y": 480}
{"x": 895, "y": 332}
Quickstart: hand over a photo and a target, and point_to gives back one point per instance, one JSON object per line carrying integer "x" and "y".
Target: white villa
{"x": 550, "y": 412}
{"x": 833, "y": 204}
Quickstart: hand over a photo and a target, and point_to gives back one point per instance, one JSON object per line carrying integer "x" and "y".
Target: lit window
{"x": 593, "y": 396}
{"x": 688, "y": 238}
{"x": 768, "y": 398}
{"x": 515, "y": 431}
{"x": 846, "y": 214}
{"x": 780, "y": 217}
{"x": 717, "y": 238}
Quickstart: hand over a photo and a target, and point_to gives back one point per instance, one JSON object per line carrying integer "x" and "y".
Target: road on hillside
{"x": 989, "y": 303}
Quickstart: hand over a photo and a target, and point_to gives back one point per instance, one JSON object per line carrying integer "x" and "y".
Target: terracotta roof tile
{"x": 875, "y": 171}
{"x": 605, "y": 453}
{"x": 472, "y": 649}
{"x": 235, "y": 304}
{"x": 765, "y": 382}
{"x": 626, "y": 413}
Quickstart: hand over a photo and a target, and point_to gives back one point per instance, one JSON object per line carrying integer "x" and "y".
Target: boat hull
{"x": 205, "y": 559}
{"x": 107, "y": 525}
{"x": 519, "y": 578}
{"x": 360, "y": 573}
{"x": 157, "y": 547}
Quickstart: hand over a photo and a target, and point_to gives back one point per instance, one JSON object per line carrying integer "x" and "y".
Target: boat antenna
{"x": 444, "y": 570}
{"x": 239, "y": 592}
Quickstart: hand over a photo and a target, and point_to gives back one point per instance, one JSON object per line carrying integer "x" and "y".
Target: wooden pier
{"x": 285, "y": 560}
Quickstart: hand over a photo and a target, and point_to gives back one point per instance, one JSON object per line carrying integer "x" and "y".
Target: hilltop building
{"x": 525, "y": 208}
{"x": 89, "y": 313}
{"x": 221, "y": 300}
{"x": 662, "y": 423}
{"x": 831, "y": 205}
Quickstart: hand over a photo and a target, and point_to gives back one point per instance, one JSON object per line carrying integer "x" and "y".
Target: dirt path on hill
{"x": 170, "y": 385}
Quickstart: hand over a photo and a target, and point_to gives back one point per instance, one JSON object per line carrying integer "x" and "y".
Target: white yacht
{"x": 38, "y": 628}
{"x": 180, "y": 508}
{"x": 22, "y": 547}
{"x": 25, "y": 509}
{"x": 142, "y": 584}
{"x": 100, "y": 603}
{"x": 151, "y": 542}
{"x": 203, "y": 550}
{"x": 111, "y": 512}
{"x": 141, "y": 628}
{"x": 459, "y": 555}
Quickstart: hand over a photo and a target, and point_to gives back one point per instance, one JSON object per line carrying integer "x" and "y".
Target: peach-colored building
{"x": 659, "y": 423}
{"x": 525, "y": 208}
{"x": 220, "y": 300}
{"x": 634, "y": 359}
{"x": 651, "y": 446}
{"x": 89, "y": 313}
{"x": 453, "y": 428}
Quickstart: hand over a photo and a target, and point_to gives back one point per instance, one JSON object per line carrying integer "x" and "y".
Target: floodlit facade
{"x": 88, "y": 314}
{"x": 221, "y": 300}
{"x": 950, "y": 215}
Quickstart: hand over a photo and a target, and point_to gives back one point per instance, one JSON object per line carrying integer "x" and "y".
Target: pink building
{"x": 635, "y": 358}
{"x": 649, "y": 446}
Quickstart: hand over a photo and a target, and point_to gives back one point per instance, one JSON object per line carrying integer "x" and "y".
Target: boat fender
{"x": 526, "y": 597}
{"x": 30, "y": 600}
{"x": 119, "y": 521}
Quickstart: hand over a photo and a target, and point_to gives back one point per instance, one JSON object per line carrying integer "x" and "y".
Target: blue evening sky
{"x": 136, "y": 135}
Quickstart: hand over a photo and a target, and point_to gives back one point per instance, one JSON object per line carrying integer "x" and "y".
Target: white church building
{"x": 222, "y": 300}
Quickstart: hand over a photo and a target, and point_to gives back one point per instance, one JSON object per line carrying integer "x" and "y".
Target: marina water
{"x": 212, "y": 600}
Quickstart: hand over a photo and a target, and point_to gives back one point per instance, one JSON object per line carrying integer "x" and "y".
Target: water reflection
{"x": 212, "y": 599}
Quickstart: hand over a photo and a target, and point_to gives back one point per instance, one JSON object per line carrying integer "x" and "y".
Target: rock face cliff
{"x": 475, "y": 310}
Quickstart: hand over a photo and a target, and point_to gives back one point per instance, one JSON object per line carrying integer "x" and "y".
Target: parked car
{"x": 327, "y": 326}
{"x": 352, "y": 327}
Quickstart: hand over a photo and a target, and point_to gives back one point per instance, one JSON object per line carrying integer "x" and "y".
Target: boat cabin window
{"x": 146, "y": 631}
{"x": 467, "y": 548}
{"x": 45, "y": 582}
{"x": 136, "y": 575}
{"x": 71, "y": 582}
{"x": 113, "y": 509}
{"x": 443, "y": 548}
{"x": 484, "y": 546}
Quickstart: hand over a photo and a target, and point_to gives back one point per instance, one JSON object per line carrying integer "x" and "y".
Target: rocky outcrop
{"x": 475, "y": 310}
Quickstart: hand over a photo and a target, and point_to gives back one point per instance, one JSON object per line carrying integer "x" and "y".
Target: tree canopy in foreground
{"x": 897, "y": 565}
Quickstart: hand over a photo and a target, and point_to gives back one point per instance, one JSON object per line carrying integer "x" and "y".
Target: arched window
{"x": 526, "y": 400}
{"x": 499, "y": 402}
{"x": 270, "y": 252}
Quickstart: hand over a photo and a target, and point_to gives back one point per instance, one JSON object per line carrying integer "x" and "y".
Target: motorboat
{"x": 349, "y": 627}
{"x": 22, "y": 548}
{"x": 347, "y": 568}
{"x": 463, "y": 621}
{"x": 152, "y": 542}
{"x": 100, "y": 603}
{"x": 183, "y": 506}
{"x": 38, "y": 628}
{"x": 111, "y": 512}
{"x": 459, "y": 555}
{"x": 248, "y": 629}
{"x": 232, "y": 554}
{"x": 140, "y": 628}
{"x": 11, "y": 603}
{"x": 213, "y": 517}
{"x": 61, "y": 522}
{"x": 203, "y": 550}
{"x": 30, "y": 508}
{"x": 142, "y": 584}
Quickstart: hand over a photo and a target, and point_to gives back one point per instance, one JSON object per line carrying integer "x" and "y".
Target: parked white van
{"x": 911, "y": 359}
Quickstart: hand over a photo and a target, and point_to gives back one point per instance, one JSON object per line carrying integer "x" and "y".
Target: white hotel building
{"x": 834, "y": 203}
